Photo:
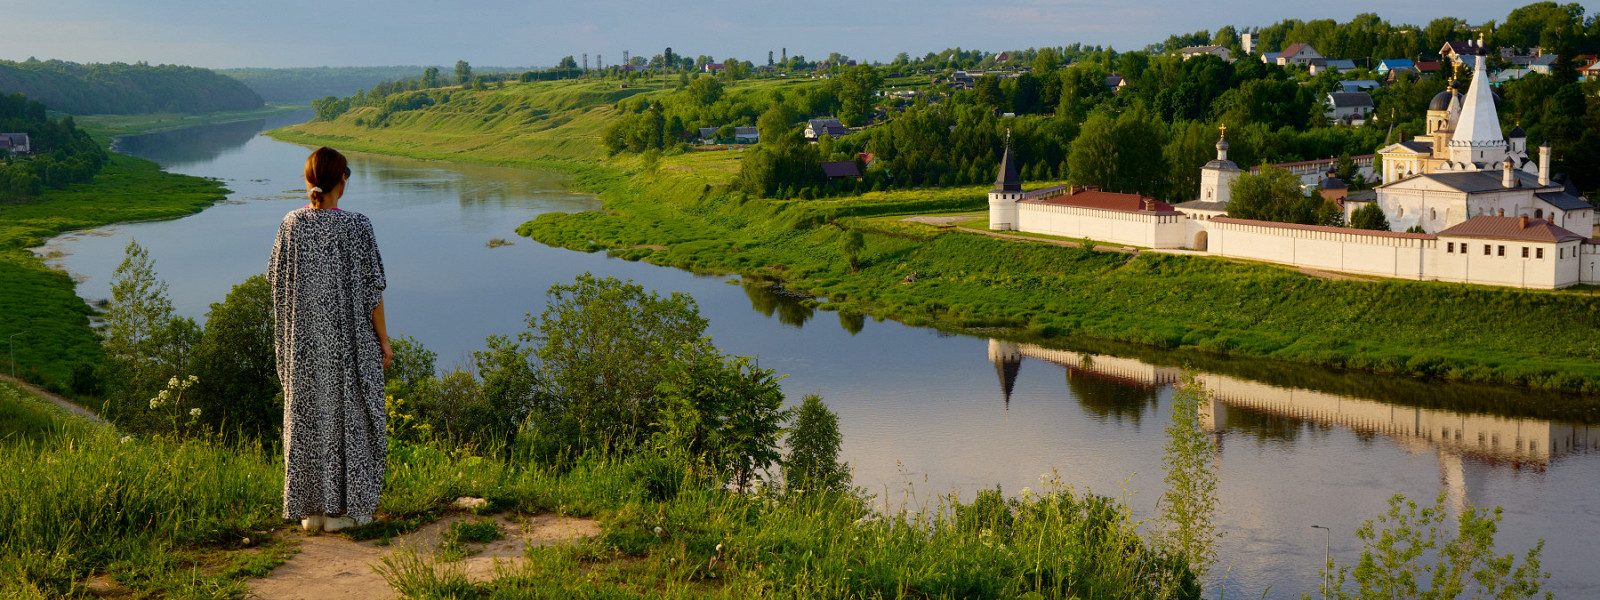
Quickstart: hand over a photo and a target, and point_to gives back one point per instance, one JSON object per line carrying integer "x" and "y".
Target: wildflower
{"x": 172, "y": 382}
{"x": 126, "y": 439}
{"x": 163, "y": 395}
{"x": 193, "y": 379}
{"x": 194, "y": 412}
{"x": 154, "y": 402}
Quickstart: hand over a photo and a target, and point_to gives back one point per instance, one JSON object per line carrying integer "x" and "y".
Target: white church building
{"x": 1489, "y": 214}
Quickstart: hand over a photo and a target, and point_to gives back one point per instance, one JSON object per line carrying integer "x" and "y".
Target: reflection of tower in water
{"x": 1007, "y": 359}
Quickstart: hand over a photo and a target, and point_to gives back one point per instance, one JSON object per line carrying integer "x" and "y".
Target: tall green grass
{"x": 75, "y": 504}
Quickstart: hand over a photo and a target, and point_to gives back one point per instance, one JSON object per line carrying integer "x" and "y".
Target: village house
{"x": 1219, "y": 51}
{"x": 816, "y": 128}
{"x": 1387, "y": 64}
{"x": 841, "y": 169}
{"x": 1357, "y": 85}
{"x": 1348, "y": 107}
{"x": 1457, "y": 52}
{"x": 15, "y": 144}
{"x": 1296, "y": 55}
{"x": 1115, "y": 82}
{"x": 1320, "y": 65}
{"x": 741, "y": 135}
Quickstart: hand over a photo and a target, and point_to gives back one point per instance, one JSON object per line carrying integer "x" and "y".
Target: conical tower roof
{"x": 1479, "y": 125}
{"x": 1008, "y": 180}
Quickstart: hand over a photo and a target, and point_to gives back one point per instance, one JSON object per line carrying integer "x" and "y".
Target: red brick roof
{"x": 1388, "y": 234}
{"x": 1097, "y": 199}
{"x": 1511, "y": 228}
{"x": 1292, "y": 50}
{"x": 1427, "y": 66}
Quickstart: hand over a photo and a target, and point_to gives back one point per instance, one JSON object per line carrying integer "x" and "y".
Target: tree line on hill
{"x": 60, "y": 153}
{"x": 120, "y": 88}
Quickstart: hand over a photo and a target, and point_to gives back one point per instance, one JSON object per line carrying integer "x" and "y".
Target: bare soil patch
{"x": 333, "y": 566}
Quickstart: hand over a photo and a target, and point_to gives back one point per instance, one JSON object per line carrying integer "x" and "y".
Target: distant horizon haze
{"x": 303, "y": 33}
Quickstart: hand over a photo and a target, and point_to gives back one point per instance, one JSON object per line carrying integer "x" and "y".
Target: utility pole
{"x": 11, "y": 341}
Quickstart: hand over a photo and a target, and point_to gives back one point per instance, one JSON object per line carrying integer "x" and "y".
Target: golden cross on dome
{"x": 1224, "y": 129}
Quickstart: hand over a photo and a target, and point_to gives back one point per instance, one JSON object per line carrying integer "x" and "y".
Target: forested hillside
{"x": 120, "y": 88}
{"x": 302, "y": 85}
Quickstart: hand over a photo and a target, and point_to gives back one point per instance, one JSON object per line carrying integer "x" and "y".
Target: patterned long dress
{"x": 327, "y": 277}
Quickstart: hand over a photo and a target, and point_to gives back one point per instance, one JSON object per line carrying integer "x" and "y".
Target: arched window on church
{"x": 1433, "y": 214}
{"x": 1500, "y": 212}
{"x": 1402, "y": 211}
{"x": 1538, "y": 213}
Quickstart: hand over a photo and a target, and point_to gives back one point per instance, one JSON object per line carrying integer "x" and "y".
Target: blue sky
{"x": 299, "y": 33}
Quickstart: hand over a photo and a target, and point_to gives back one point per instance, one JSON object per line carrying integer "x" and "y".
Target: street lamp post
{"x": 1327, "y": 570}
{"x": 11, "y": 342}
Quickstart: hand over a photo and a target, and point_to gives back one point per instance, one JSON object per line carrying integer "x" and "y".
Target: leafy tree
{"x": 430, "y": 77}
{"x": 814, "y": 443}
{"x": 145, "y": 344}
{"x": 1369, "y": 217}
{"x": 510, "y": 391}
{"x": 567, "y": 62}
{"x": 1409, "y": 552}
{"x": 705, "y": 91}
{"x": 603, "y": 346}
{"x": 722, "y": 413}
{"x": 850, "y": 246}
{"x": 855, "y": 89}
{"x": 236, "y": 363}
{"x": 1273, "y": 194}
{"x": 463, "y": 73}
{"x": 1045, "y": 63}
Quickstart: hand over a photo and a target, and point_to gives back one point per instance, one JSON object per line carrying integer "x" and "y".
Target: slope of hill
{"x": 302, "y": 85}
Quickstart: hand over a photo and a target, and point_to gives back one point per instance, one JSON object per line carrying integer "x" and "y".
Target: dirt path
{"x": 332, "y": 566}
{"x": 65, "y": 404}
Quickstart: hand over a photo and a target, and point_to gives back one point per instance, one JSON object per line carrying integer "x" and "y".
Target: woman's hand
{"x": 388, "y": 354}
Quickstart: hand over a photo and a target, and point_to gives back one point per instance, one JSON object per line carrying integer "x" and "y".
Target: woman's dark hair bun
{"x": 325, "y": 169}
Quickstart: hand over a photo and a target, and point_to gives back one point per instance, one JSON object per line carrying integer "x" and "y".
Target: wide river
{"x": 920, "y": 411}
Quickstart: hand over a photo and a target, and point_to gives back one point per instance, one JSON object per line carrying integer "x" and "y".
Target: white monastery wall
{"x": 1132, "y": 229}
{"x": 1559, "y": 265}
{"x": 1404, "y": 258}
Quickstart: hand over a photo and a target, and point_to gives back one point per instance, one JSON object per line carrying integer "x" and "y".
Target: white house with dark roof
{"x": 15, "y": 143}
{"x": 816, "y": 128}
{"x": 1297, "y": 55}
{"x": 1344, "y": 106}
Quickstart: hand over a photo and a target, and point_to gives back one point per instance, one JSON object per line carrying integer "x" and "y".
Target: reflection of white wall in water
{"x": 1519, "y": 440}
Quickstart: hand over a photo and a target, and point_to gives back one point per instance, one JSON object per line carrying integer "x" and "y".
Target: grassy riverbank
{"x": 42, "y": 301}
{"x": 681, "y": 214}
{"x": 108, "y": 126}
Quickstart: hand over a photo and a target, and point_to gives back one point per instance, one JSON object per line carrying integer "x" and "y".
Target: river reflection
{"x": 919, "y": 409}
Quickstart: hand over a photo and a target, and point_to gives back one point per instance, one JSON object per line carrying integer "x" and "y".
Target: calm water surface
{"x": 932, "y": 412}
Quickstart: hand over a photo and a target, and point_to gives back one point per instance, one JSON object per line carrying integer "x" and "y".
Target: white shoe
{"x": 338, "y": 523}
{"x": 312, "y": 523}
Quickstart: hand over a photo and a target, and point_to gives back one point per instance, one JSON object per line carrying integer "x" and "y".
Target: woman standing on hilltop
{"x": 332, "y": 347}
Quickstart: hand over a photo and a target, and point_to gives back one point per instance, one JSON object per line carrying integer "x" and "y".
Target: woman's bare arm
{"x": 383, "y": 333}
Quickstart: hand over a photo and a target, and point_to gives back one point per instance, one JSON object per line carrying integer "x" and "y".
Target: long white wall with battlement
{"x": 1352, "y": 251}
{"x": 1115, "y": 227}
